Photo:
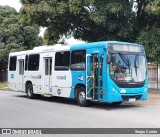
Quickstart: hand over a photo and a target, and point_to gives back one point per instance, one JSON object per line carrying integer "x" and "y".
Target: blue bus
{"x": 107, "y": 71}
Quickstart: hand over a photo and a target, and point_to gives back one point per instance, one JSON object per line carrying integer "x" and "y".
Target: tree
{"x": 60, "y": 17}
{"x": 91, "y": 20}
{"x": 13, "y": 36}
{"x": 88, "y": 19}
{"x": 154, "y": 7}
{"x": 150, "y": 38}
{"x": 149, "y": 35}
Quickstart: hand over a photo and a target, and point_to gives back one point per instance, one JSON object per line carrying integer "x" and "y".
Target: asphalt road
{"x": 17, "y": 111}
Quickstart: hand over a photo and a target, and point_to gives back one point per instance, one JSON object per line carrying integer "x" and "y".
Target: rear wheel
{"x": 30, "y": 93}
{"x": 81, "y": 97}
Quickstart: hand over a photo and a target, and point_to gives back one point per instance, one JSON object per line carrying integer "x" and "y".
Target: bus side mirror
{"x": 108, "y": 59}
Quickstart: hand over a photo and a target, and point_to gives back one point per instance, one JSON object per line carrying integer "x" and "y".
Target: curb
{"x": 5, "y": 88}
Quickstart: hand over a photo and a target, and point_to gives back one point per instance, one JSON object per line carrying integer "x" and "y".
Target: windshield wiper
{"x": 135, "y": 63}
{"x": 126, "y": 61}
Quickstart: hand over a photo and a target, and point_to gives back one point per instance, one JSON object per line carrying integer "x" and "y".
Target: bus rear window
{"x": 12, "y": 63}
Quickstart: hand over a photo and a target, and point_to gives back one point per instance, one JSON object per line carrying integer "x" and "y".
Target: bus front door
{"x": 21, "y": 74}
{"x": 48, "y": 76}
{"x": 94, "y": 76}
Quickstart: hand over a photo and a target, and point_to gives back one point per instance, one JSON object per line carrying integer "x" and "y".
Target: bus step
{"x": 89, "y": 98}
{"x": 47, "y": 95}
{"x": 96, "y": 100}
{"x": 101, "y": 93}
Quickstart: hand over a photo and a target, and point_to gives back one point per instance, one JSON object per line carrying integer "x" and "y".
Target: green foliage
{"x": 89, "y": 20}
{"x": 3, "y": 85}
{"x": 30, "y": 37}
{"x": 95, "y": 20}
{"x": 61, "y": 17}
{"x": 154, "y": 7}
{"x": 149, "y": 35}
{"x": 13, "y": 36}
{"x": 150, "y": 38}
{"x": 115, "y": 19}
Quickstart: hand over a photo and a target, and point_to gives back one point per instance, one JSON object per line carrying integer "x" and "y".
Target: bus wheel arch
{"x": 76, "y": 89}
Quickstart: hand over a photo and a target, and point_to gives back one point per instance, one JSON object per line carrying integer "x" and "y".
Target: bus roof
{"x": 63, "y": 47}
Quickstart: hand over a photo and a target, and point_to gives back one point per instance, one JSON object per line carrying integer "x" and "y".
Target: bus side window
{"x": 26, "y": 63}
{"x": 33, "y": 63}
{"x": 12, "y": 63}
{"x": 62, "y": 60}
{"x": 78, "y": 60}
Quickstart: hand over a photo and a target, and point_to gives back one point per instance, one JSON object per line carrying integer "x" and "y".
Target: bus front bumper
{"x": 118, "y": 97}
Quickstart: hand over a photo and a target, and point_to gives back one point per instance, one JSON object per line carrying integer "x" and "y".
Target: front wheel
{"x": 81, "y": 97}
{"x": 30, "y": 93}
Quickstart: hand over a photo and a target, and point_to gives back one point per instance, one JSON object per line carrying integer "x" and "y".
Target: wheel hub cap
{"x": 82, "y": 97}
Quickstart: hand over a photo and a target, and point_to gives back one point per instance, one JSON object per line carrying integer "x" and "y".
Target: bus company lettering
{"x": 36, "y": 77}
{"x": 61, "y": 77}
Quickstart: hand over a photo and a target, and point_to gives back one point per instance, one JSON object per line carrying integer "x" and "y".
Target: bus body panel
{"x": 114, "y": 93}
{"x": 16, "y": 77}
{"x": 78, "y": 78}
{"x": 62, "y": 83}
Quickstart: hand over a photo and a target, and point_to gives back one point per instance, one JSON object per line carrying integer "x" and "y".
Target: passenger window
{"x": 12, "y": 64}
{"x": 26, "y": 63}
{"x": 33, "y": 64}
{"x": 21, "y": 67}
{"x": 62, "y": 60}
{"x": 78, "y": 60}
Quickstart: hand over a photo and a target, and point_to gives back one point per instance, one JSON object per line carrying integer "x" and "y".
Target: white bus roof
{"x": 67, "y": 47}
{"x": 40, "y": 49}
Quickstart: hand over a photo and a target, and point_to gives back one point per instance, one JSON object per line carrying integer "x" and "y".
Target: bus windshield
{"x": 128, "y": 67}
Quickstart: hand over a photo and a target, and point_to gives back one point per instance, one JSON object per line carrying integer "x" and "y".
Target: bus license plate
{"x": 132, "y": 99}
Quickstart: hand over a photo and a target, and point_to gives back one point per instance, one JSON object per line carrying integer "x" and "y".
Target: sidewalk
{"x": 153, "y": 99}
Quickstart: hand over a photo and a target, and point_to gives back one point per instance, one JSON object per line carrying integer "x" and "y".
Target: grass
{"x": 3, "y": 84}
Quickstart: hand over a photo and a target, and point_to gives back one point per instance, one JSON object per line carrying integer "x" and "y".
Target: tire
{"x": 30, "y": 93}
{"x": 81, "y": 97}
{"x": 116, "y": 103}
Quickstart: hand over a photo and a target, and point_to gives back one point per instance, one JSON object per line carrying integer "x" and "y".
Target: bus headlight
{"x": 123, "y": 91}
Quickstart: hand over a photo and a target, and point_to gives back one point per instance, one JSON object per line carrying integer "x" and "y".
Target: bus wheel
{"x": 30, "y": 93}
{"x": 81, "y": 97}
{"x": 116, "y": 103}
